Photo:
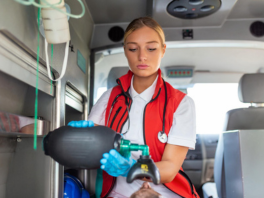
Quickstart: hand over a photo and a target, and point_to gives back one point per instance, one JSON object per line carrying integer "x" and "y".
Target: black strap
{"x": 165, "y": 105}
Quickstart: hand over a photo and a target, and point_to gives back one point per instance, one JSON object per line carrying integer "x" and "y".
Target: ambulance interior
{"x": 215, "y": 54}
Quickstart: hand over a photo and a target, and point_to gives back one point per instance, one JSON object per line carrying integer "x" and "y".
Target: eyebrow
{"x": 147, "y": 42}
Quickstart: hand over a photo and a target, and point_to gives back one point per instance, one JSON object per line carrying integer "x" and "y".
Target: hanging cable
{"x": 65, "y": 60}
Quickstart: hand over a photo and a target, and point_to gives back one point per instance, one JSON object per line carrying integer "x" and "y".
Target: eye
{"x": 152, "y": 49}
{"x": 132, "y": 50}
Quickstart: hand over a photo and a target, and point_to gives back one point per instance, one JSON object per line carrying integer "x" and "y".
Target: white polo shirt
{"x": 182, "y": 132}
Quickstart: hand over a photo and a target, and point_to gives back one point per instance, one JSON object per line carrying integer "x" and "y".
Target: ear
{"x": 164, "y": 49}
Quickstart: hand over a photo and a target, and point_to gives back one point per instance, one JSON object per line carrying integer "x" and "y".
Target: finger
{"x": 119, "y": 159}
{"x": 110, "y": 171}
{"x": 104, "y": 167}
{"x": 103, "y": 161}
{"x": 71, "y": 123}
{"x": 109, "y": 161}
{"x": 118, "y": 163}
{"x": 106, "y": 155}
{"x": 79, "y": 123}
{"x": 85, "y": 124}
{"x": 90, "y": 123}
{"x": 107, "y": 164}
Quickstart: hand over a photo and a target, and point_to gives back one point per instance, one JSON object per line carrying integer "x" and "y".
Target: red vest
{"x": 152, "y": 124}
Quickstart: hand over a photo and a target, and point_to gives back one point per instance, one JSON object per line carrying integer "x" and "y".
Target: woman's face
{"x": 144, "y": 50}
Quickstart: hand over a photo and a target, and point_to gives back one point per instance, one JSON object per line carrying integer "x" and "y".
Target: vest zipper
{"x": 117, "y": 111}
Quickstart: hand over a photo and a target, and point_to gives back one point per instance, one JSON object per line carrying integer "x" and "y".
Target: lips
{"x": 142, "y": 66}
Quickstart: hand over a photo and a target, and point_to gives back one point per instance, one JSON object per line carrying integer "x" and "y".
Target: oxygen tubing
{"x": 36, "y": 97}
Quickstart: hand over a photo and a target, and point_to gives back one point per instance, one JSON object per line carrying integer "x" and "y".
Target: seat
{"x": 250, "y": 90}
{"x": 115, "y": 73}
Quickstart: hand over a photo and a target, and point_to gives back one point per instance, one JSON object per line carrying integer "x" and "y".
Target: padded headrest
{"x": 251, "y": 88}
{"x": 115, "y": 73}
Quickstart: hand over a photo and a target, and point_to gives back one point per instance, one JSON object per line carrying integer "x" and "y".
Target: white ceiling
{"x": 116, "y": 11}
{"x": 247, "y": 9}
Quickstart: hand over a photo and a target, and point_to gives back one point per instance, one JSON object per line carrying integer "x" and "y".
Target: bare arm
{"x": 171, "y": 162}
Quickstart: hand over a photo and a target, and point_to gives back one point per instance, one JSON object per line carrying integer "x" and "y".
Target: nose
{"x": 142, "y": 55}
{"x": 146, "y": 185}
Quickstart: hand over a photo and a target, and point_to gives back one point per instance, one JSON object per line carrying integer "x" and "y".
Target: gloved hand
{"x": 81, "y": 124}
{"x": 115, "y": 164}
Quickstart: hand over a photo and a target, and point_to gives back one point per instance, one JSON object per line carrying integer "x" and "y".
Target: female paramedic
{"x": 146, "y": 110}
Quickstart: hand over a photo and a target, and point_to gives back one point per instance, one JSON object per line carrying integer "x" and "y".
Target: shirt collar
{"x": 145, "y": 95}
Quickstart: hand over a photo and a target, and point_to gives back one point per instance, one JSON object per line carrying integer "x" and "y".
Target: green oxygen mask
{"x": 84, "y": 147}
{"x": 126, "y": 147}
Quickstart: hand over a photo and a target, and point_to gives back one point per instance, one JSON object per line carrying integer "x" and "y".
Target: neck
{"x": 140, "y": 84}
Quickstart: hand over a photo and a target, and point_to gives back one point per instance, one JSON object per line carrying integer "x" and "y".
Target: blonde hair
{"x": 145, "y": 21}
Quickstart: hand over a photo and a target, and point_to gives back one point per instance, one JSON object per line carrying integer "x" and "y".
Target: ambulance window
{"x": 100, "y": 92}
{"x": 212, "y": 101}
{"x": 104, "y": 61}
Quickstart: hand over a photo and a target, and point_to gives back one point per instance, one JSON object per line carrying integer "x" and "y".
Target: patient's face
{"x": 145, "y": 192}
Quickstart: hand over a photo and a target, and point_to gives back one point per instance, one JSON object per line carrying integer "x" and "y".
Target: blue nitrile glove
{"x": 115, "y": 164}
{"x": 81, "y": 124}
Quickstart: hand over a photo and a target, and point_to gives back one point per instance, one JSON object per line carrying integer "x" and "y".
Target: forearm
{"x": 168, "y": 170}
{"x": 171, "y": 162}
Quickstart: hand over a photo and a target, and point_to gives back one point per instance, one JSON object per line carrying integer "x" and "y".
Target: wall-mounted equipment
{"x": 187, "y": 34}
{"x": 179, "y": 76}
{"x": 179, "y": 71}
{"x": 55, "y": 29}
{"x": 193, "y": 9}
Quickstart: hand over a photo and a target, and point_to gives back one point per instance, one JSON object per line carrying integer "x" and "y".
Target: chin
{"x": 143, "y": 73}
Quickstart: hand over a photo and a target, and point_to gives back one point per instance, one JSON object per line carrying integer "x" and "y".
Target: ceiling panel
{"x": 248, "y": 9}
{"x": 116, "y": 11}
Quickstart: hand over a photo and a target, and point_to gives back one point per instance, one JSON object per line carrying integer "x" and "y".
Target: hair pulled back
{"x": 145, "y": 22}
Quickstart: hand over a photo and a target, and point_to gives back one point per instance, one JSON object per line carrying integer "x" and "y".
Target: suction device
{"x": 84, "y": 148}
